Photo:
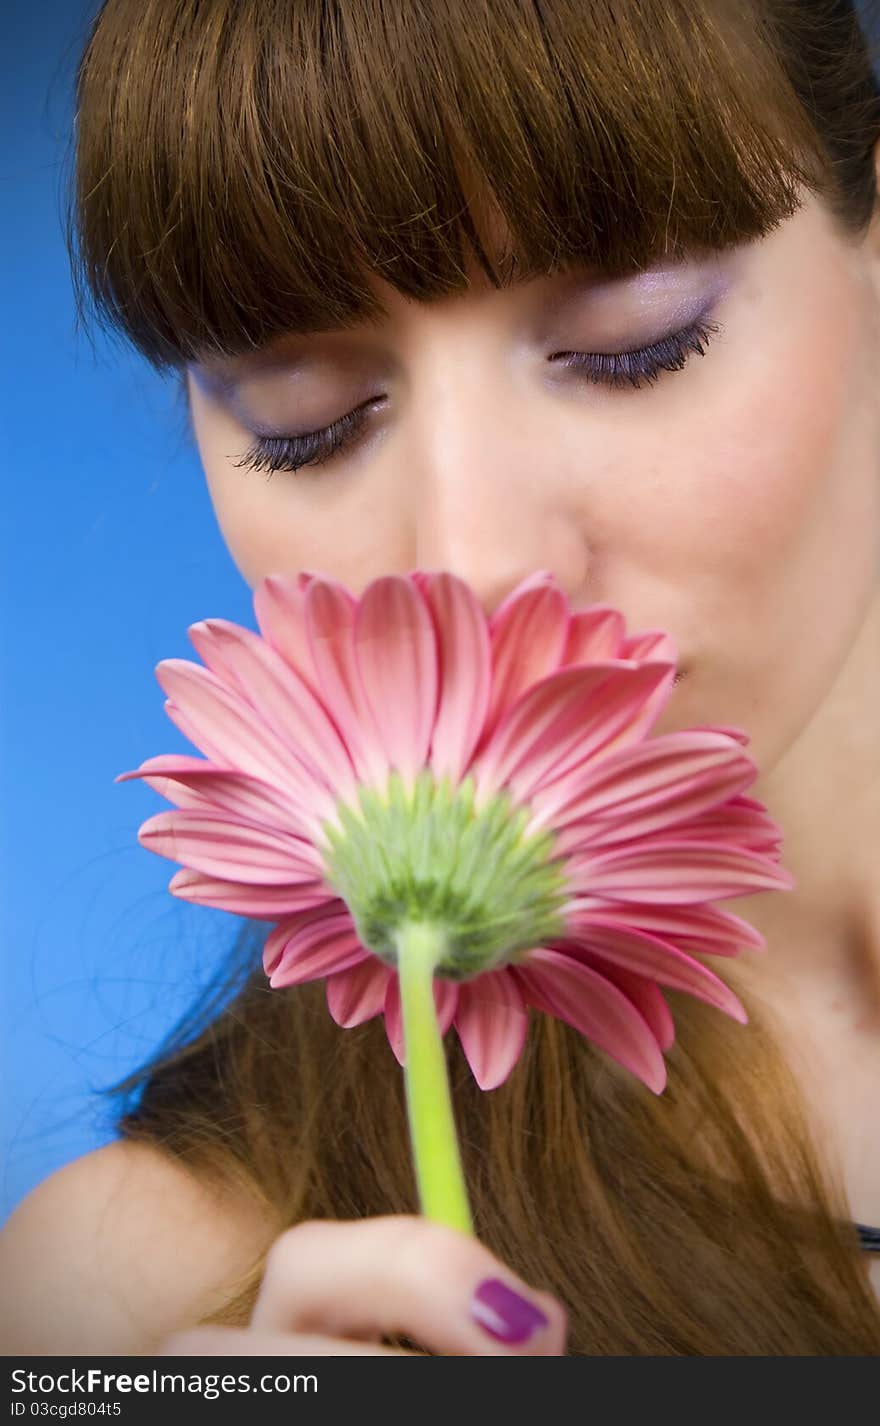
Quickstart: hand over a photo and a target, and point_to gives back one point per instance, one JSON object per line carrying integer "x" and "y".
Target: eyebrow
{"x": 263, "y": 361}
{"x": 277, "y": 360}
{"x": 224, "y": 383}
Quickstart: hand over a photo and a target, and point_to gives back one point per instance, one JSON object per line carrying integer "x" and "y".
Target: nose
{"x": 491, "y": 499}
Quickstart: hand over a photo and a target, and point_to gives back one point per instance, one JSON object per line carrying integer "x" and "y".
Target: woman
{"x": 393, "y": 225}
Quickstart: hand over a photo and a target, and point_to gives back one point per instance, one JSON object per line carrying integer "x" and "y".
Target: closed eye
{"x": 641, "y": 366}
{"x": 313, "y": 448}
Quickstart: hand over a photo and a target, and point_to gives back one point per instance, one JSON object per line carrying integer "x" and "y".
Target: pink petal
{"x": 657, "y": 959}
{"x": 644, "y": 993}
{"x": 227, "y": 730}
{"x": 614, "y": 721}
{"x": 264, "y": 903}
{"x": 562, "y": 722}
{"x": 358, "y": 994}
{"x": 671, "y": 869}
{"x": 152, "y": 770}
{"x": 191, "y": 782}
{"x": 644, "y": 788}
{"x": 571, "y": 991}
{"x": 244, "y": 661}
{"x": 653, "y": 644}
{"x": 316, "y": 943}
{"x": 764, "y": 835}
{"x": 735, "y": 824}
{"x": 279, "y": 606}
{"x": 657, "y": 647}
{"x": 491, "y": 1021}
{"x": 330, "y": 616}
{"x": 595, "y": 634}
{"x": 528, "y": 632}
{"x": 729, "y": 732}
{"x": 465, "y": 673}
{"x": 706, "y": 929}
{"x": 445, "y": 999}
{"x": 193, "y": 731}
{"x": 396, "y": 653}
{"x": 226, "y": 847}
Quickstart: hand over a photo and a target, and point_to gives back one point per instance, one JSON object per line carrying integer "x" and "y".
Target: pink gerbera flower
{"x": 402, "y": 759}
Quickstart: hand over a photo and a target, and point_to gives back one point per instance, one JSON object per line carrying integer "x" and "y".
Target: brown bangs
{"x": 244, "y": 166}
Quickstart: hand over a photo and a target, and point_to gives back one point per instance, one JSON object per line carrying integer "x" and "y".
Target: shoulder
{"x": 119, "y": 1248}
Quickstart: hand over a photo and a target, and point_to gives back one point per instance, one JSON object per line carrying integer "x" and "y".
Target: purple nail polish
{"x": 503, "y": 1313}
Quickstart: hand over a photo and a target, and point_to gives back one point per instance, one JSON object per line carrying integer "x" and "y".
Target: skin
{"x": 121, "y": 1250}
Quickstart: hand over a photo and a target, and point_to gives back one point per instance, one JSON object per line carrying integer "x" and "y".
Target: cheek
{"x": 782, "y": 533}
{"x": 268, "y": 521}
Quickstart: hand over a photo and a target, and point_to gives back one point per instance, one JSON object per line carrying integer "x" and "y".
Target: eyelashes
{"x": 617, "y": 370}
{"x": 645, "y": 364}
{"x": 290, "y": 452}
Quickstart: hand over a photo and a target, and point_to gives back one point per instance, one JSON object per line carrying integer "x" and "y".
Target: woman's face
{"x": 734, "y": 503}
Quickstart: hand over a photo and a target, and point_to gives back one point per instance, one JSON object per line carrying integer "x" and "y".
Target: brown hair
{"x": 242, "y": 167}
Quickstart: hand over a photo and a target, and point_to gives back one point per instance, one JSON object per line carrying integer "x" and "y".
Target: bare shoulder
{"x": 119, "y": 1248}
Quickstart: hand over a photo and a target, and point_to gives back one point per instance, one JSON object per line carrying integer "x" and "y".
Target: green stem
{"x": 439, "y": 1175}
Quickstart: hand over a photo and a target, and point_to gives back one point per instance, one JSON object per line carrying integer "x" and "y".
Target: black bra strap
{"x": 869, "y": 1237}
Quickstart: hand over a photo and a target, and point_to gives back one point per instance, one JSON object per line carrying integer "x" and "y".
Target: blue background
{"x": 109, "y": 549}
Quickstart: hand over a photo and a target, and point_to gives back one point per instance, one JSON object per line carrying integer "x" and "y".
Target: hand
{"x": 335, "y": 1289}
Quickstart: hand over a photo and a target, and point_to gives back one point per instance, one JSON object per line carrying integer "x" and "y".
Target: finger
{"x": 242, "y": 1342}
{"x": 403, "y": 1274}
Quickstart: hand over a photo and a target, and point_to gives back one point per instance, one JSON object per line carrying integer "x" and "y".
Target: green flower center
{"x": 428, "y": 856}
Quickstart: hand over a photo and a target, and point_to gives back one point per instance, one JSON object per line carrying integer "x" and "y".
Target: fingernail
{"x": 503, "y": 1313}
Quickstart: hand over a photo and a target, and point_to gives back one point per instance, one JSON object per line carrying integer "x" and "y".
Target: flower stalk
{"x": 443, "y": 1197}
